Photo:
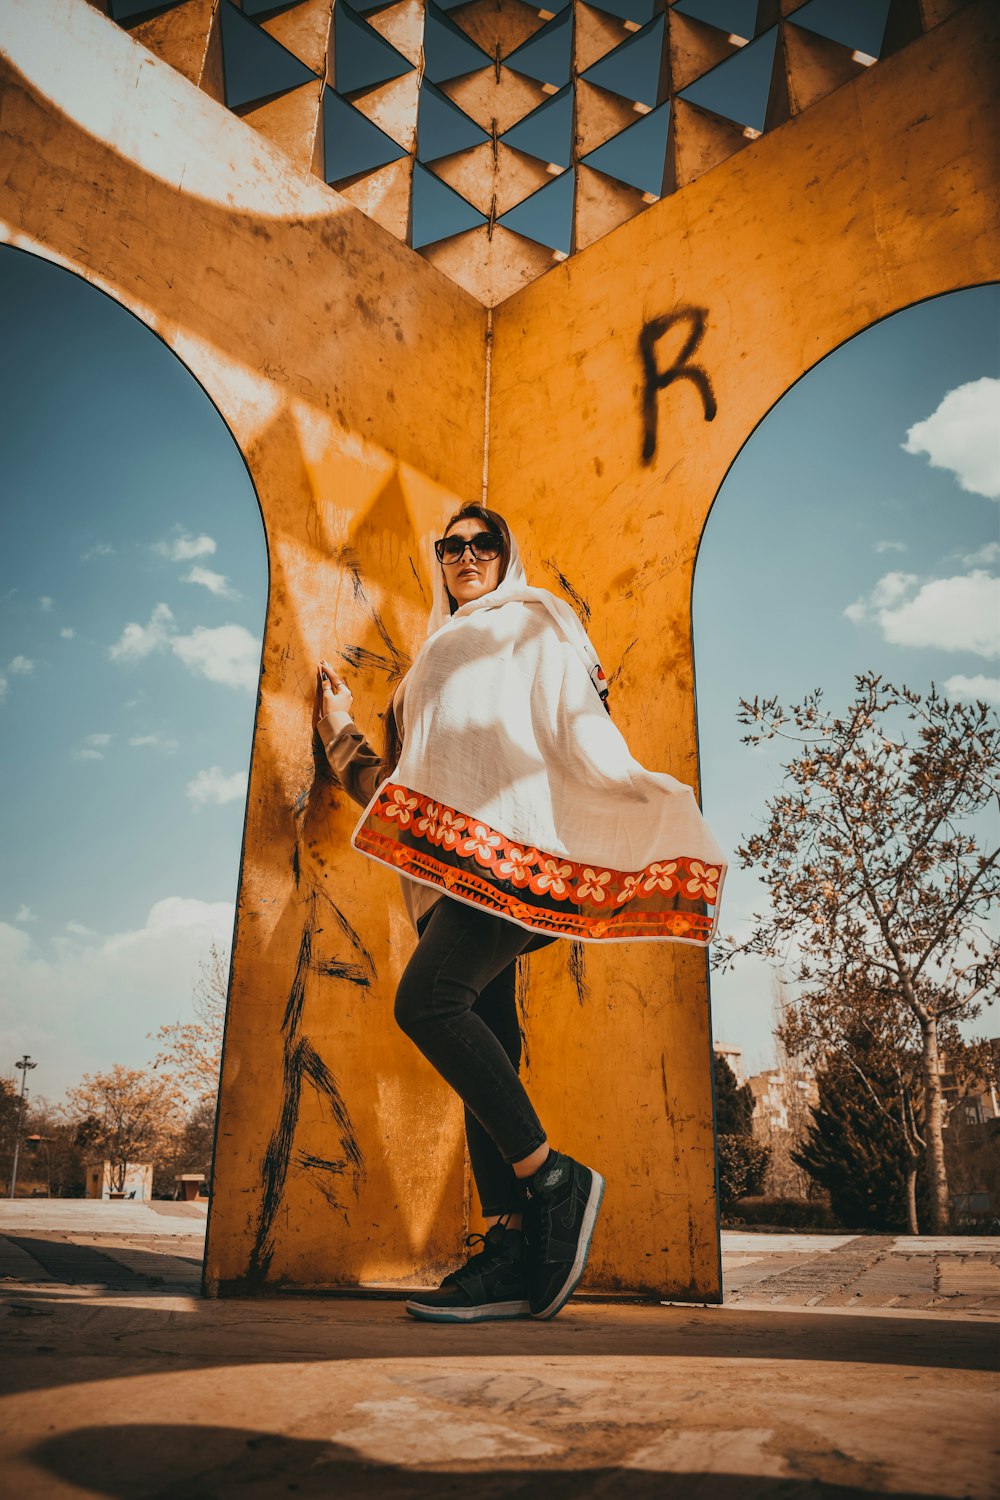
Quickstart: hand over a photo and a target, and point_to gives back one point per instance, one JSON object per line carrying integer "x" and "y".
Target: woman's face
{"x": 468, "y": 578}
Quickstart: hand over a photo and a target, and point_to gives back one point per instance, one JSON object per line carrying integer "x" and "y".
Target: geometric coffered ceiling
{"x": 497, "y": 138}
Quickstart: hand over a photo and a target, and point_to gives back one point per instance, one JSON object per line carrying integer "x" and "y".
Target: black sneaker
{"x": 559, "y": 1222}
{"x": 493, "y": 1283}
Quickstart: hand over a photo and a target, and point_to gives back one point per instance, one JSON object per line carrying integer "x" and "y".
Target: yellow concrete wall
{"x": 882, "y": 194}
{"x": 352, "y": 375}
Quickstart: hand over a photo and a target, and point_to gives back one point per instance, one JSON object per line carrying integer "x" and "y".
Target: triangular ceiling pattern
{"x": 463, "y": 83}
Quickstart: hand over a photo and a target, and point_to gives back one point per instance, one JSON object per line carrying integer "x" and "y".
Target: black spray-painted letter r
{"x": 657, "y": 380}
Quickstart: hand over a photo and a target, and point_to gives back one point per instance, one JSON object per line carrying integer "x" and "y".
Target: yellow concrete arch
{"x": 368, "y": 393}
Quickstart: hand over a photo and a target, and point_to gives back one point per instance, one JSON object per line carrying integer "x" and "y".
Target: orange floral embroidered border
{"x": 436, "y": 843}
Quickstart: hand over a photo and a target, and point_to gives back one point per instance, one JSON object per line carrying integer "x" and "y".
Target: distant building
{"x": 734, "y": 1057}
{"x": 138, "y": 1181}
{"x": 976, "y": 1101}
{"x": 781, "y": 1098}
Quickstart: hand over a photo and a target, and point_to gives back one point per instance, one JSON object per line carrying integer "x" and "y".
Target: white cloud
{"x": 978, "y": 687}
{"x": 216, "y": 583}
{"x": 45, "y": 602}
{"x": 94, "y": 746}
{"x": 963, "y": 435}
{"x": 67, "y": 632}
{"x": 184, "y": 547}
{"x": 213, "y": 786}
{"x": 158, "y": 741}
{"x": 227, "y": 654}
{"x": 21, "y": 665}
{"x": 984, "y": 556}
{"x": 25, "y": 914}
{"x": 87, "y": 1002}
{"x": 79, "y": 930}
{"x": 948, "y": 614}
{"x": 890, "y": 588}
{"x": 139, "y": 641}
{"x": 223, "y": 653}
{"x": 3, "y": 687}
{"x": 100, "y": 549}
{"x": 890, "y": 547}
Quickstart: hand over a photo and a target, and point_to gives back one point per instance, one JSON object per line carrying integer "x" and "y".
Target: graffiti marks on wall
{"x": 576, "y": 964}
{"x": 579, "y": 602}
{"x": 302, "y": 1066}
{"x": 658, "y": 376}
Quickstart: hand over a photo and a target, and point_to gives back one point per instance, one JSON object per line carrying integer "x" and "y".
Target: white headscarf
{"x": 513, "y": 586}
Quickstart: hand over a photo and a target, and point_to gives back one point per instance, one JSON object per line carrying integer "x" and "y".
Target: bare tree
{"x": 191, "y": 1051}
{"x": 876, "y": 880}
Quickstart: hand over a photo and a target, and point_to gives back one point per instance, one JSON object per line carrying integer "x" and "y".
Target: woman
{"x": 513, "y": 811}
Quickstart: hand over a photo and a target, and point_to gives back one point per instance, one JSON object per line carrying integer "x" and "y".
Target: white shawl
{"x": 515, "y": 791}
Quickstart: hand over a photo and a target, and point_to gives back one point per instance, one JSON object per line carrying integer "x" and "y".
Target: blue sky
{"x": 133, "y": 581}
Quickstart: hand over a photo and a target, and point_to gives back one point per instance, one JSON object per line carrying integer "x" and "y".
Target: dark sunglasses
{"x": 486, "y": 545}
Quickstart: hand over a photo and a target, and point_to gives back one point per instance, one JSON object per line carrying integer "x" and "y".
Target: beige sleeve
{"x": 352, "y": 760}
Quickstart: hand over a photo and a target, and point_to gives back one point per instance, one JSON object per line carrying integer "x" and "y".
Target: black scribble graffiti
{"x": 582, "y": 606}
{"x": 401, "y": 662}
{"x": 522, "y": 985}
{"x": 323, "y": 1081}
{"x": 320, "y": 1163}
{"x": 396, "y": 664}
{"x": 318, "y": 1166}
{"x": 296, "y": 995}
{"x": 577, "y": 971}
{"x": 353, "y": 973}
{"x": 657, "y": 380}
{"x": 618, "y": 670}
{"x": 296, "y": 864}
{"x": 351, "y": 562}
{"x": 419, "y": 582}
{"x": 301, "y": 1064}
{"x": 274, "y": 1169}
{"x": 350, "y": 934}
{"x": 363, "y": 660}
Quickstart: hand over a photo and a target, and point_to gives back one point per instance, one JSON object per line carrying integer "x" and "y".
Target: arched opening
{"x": 850, "y": 534}
{"x": 133, "y": 586}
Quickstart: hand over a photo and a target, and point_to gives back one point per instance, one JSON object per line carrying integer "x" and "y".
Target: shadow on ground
{"x": 214, "y": 1463}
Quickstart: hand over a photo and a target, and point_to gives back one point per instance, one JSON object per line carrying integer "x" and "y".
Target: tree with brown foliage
{"x": 876, "y": 876}
{"x": 125, "y": 1115}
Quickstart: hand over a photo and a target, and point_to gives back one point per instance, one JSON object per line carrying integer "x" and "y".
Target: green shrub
{"x": 782, "y": 1213}
{"x": 742, "y": 1165}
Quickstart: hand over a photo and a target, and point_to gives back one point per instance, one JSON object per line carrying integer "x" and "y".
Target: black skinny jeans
{"x": 456, "y": 1001}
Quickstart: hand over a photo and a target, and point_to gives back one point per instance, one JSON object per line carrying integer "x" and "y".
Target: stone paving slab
{"x": 118, "y": 1244}
{"x": 85, "y": 1215}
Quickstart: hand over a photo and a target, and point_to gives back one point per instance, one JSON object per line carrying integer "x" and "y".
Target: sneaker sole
{"x": 487, "y": 1313}
{"x": 582, "y": 1250}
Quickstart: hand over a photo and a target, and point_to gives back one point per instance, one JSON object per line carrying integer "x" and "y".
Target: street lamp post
{"x": 24, "y": 1065}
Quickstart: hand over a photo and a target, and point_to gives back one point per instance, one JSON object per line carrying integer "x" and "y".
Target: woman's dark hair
{"x": 492, "y": 520}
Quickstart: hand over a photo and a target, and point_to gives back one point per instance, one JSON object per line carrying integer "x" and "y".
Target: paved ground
{"x": 840, "y": 1366}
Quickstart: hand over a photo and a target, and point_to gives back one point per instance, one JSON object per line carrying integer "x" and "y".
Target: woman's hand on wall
{"x": 333, "y": 696}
